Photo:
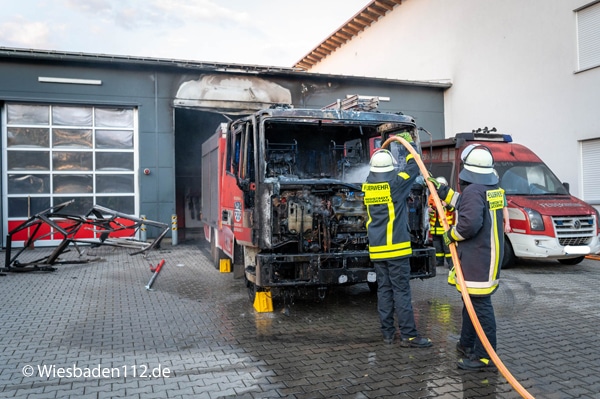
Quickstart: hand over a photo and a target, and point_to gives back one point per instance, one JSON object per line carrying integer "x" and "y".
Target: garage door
{"x": 58, "y": 153}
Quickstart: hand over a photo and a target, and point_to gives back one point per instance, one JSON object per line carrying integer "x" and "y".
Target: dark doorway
{"x": 192, "y": 128}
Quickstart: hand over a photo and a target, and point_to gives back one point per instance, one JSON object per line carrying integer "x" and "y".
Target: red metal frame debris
{"x": 105, "y": 222}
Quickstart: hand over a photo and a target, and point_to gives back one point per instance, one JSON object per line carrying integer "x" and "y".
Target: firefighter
{"x": 507, "y": 228}
{"x": 478, "y": 233}
{"x": 385, "y": 195}
{"x": 442, "y": 251}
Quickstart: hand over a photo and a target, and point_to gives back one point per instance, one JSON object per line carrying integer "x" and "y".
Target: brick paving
{"x": 199, "y": 325}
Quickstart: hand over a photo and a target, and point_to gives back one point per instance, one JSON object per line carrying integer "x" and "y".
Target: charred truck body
{"x": 282, "y": 198}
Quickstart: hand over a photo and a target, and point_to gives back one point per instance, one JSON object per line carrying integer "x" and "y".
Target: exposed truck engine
{"x": 282, "y": 198}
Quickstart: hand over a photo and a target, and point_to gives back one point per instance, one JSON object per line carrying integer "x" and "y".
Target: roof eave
{"x": 359, "y": 22}
{"x": 64, "y": 56}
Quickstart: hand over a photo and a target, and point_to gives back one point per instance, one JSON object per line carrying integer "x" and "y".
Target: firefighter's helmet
{"x": 382, "y": 161}
{"x": 478, "y": 165}
{"x": 442, "y": 180}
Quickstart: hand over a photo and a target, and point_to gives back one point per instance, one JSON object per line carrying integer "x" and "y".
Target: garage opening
{"x": 192, "y": 128}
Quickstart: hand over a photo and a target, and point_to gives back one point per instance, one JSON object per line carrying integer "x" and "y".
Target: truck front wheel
{"x": 251, "y": 287}
{"x": 372, "y": 287}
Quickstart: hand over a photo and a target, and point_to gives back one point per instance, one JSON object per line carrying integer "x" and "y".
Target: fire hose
{"x": 459, "y": 275}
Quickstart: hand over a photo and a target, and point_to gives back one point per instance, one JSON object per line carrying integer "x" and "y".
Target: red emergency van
{"x": 546, "y": 220}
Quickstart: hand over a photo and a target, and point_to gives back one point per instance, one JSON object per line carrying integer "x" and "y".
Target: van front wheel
{"x": 509, "y": 255}
{"x": 572, "y": 261}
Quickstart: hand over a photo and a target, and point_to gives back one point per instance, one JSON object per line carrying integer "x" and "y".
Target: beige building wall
{"x": 512, "y": 65}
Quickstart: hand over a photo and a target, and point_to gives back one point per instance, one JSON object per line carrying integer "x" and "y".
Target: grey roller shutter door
{"x": 588, "y": 36}
{"x": 590, "y": 157}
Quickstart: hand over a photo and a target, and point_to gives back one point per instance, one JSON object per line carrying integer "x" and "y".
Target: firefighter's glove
{"x": 452, "y": 276}
{"x": 436, "y": 183}
{"x": 443, "y": 190}
{"x": 406, "y": 136}
{"x": 448, "y": 239}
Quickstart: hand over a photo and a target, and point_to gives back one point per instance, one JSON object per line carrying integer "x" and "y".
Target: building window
{"x": 54, "y": 154}
{"x": 590, "y": 162}
{"x": 588, "y": 36}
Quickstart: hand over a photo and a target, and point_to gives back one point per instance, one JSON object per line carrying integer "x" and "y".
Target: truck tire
{"x": 509, "y": 255}
{"x": 251, "y": 287}
{"x": 572, "y": 261}
{"x": 372, "y": 287}
{"x": 215, "y": 252}
{"x": 238, "y": 266}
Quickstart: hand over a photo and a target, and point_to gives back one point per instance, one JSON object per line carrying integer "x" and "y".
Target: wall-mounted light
{"x": 45, "y": 79}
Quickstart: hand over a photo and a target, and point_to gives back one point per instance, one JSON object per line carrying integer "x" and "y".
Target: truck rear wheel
{"x": 215, "y": 252}
{"x": 572, "y": 261}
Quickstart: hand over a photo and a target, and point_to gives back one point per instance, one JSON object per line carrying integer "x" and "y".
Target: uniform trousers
{"x": 442, "y": 251}
{"x": 485, "y": 313}
{"x": 394, "y": 296}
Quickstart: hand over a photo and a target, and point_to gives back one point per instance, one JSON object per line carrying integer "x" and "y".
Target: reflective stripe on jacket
{"x": 480, "y": 237}
{"x": 385, "y": 199}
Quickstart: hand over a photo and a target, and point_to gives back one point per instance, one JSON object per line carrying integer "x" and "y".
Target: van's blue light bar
{"x": 506, "y": 138}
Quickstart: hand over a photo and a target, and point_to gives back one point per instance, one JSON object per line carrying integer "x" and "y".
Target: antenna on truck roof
{"x": 484, "y": 130}
{"x": 357, "y": 103}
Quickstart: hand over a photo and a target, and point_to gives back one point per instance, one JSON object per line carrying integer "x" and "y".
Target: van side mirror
{"x": 566, "y": 186}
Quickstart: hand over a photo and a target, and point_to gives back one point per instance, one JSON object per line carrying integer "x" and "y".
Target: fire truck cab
{"x": 282, "y": 197}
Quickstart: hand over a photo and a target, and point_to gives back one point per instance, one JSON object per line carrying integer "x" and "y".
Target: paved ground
{"x": 94, "y": 331}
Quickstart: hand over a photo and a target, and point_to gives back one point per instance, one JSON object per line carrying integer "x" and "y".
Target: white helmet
{"x": 478, "y": 165}
{"x": 442, "y": 180}
{"x": 382, "y": 161}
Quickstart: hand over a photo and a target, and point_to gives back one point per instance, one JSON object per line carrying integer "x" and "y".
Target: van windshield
{"x": 528, "y": 178}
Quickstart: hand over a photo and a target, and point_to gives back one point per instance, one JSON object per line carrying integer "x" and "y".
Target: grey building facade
{"x": 126, "y": 133}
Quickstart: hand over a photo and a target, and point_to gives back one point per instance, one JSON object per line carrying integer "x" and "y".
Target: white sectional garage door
{"x": 56, "y": 153}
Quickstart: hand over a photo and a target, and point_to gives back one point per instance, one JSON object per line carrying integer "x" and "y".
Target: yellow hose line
{"x": 459, "y": 275}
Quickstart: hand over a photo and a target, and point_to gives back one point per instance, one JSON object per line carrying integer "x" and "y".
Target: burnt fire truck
{"x": 282, "y": 202}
